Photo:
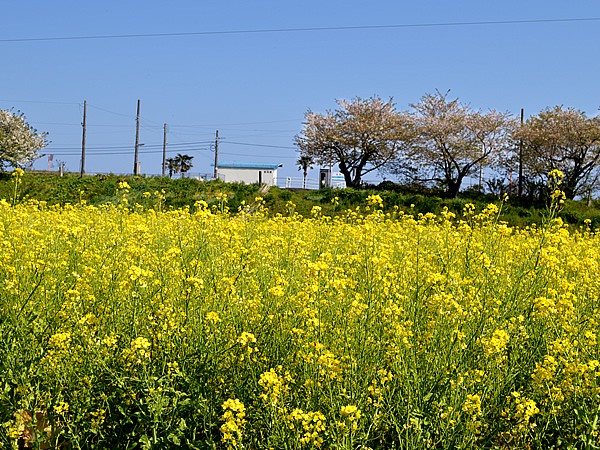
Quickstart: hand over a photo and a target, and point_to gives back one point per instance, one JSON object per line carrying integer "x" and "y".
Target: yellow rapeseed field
{"x": 130, "y": 327}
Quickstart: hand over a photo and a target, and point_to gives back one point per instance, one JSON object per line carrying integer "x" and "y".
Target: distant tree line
{"x": 442, "y": 141}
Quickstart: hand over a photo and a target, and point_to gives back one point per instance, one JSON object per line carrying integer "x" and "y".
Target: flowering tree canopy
{"x": 564, "y": 140}
{"x": 452, "y": 141}
{"x": 19, "y": 142}
{"x": 361, "y": 136}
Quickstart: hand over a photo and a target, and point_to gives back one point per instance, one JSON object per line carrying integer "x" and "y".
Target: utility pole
{"x": 521, "y": 160}
{"x": 164, "y": 166}
{"x": 137, "y": 140}
{"x": 83, "y": 139}
{"x": 216, "y": 154}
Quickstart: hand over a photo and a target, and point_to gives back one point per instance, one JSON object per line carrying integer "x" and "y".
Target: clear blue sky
{"x": 255, "y": 87}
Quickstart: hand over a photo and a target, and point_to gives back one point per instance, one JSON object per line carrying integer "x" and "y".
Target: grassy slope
{"x": 180, "y": 192}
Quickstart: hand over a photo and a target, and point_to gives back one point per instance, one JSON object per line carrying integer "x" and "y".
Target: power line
{"x": 106, "y": 110}
{"x": 35, "y": 101}
{"x": 179, "y": 147}
{"x": 260, "y": 156}
{"x": 149, "y": 123}
{"x": 103, "y": 153}
{"x": 264, "y": 134}
{"x": 239, "y": 123}
{"x": 307, "y": 29}
{"x": 113, "y": 147}
{"x": 259, "y": 145}
{"x": 153, "y": 127}
{"x": 78, "y": 124}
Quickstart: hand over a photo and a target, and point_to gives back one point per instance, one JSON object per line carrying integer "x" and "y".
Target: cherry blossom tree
{"x": 565, "y": 140}
{"x": 452, "y": 141}
{"x": 20, "y": 143}
{"x": 361, "y": 136}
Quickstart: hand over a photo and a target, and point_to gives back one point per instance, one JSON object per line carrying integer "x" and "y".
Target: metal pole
{"x": 83, "y": 138}
{"x": 216, "y": 155}
{"x": 164, "y": 164}
{"x": 137, "y": 140}
{"x": 521, "y": 160}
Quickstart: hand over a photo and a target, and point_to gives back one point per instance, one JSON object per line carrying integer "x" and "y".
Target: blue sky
{"x": 255, "y": 87}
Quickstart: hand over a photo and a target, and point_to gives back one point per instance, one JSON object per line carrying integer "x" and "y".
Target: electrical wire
{"x": 79, "y": 125}
{"x": 179, "y": 147}
{"x": 147, "y": 123}
{"x": 258, "y": 145}
{"x": 128, "y": 146}
{"x": 35, "y": 101}
{"x": 140, "y": 152}
{"x": 106, "y": 110}
{"x": 239, "y": 123}
{"x": 307, "y": 29}
{"x": 258, "y": 156}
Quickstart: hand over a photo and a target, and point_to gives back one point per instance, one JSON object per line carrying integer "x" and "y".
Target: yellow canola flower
{"x": 375, "y": 200}
{"x": 246, "y": 338}
{"x": 338, "y": 302}
{"x": 234, "y": 413}
{"x": 60, "y": 340}
{"x": 497, "y": 343}
{"x": 348, "y": 409}
{"x": 525, "y": 409}
{"x": 472, "y": 406}
{"x": 212, "y": 317}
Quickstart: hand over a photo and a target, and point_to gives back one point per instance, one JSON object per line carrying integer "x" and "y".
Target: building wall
{"x": 247, "y": 175}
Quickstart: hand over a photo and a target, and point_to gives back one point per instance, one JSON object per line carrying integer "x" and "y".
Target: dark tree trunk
{"x": 568, "y": 190}
{"x": 454, "y": 185}
{"x": 348, "y": 176}
{"x": 453, "y": 188}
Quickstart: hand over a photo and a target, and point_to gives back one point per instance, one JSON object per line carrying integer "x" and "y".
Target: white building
{"x": 248, "y": 173}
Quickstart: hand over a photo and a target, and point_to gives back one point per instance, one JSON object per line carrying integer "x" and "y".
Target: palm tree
{"x": 179, "y": 164}
{"x": 305, "y": 163}
{"x": 185, "y": 162}
{"x": 173, "y": 166}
